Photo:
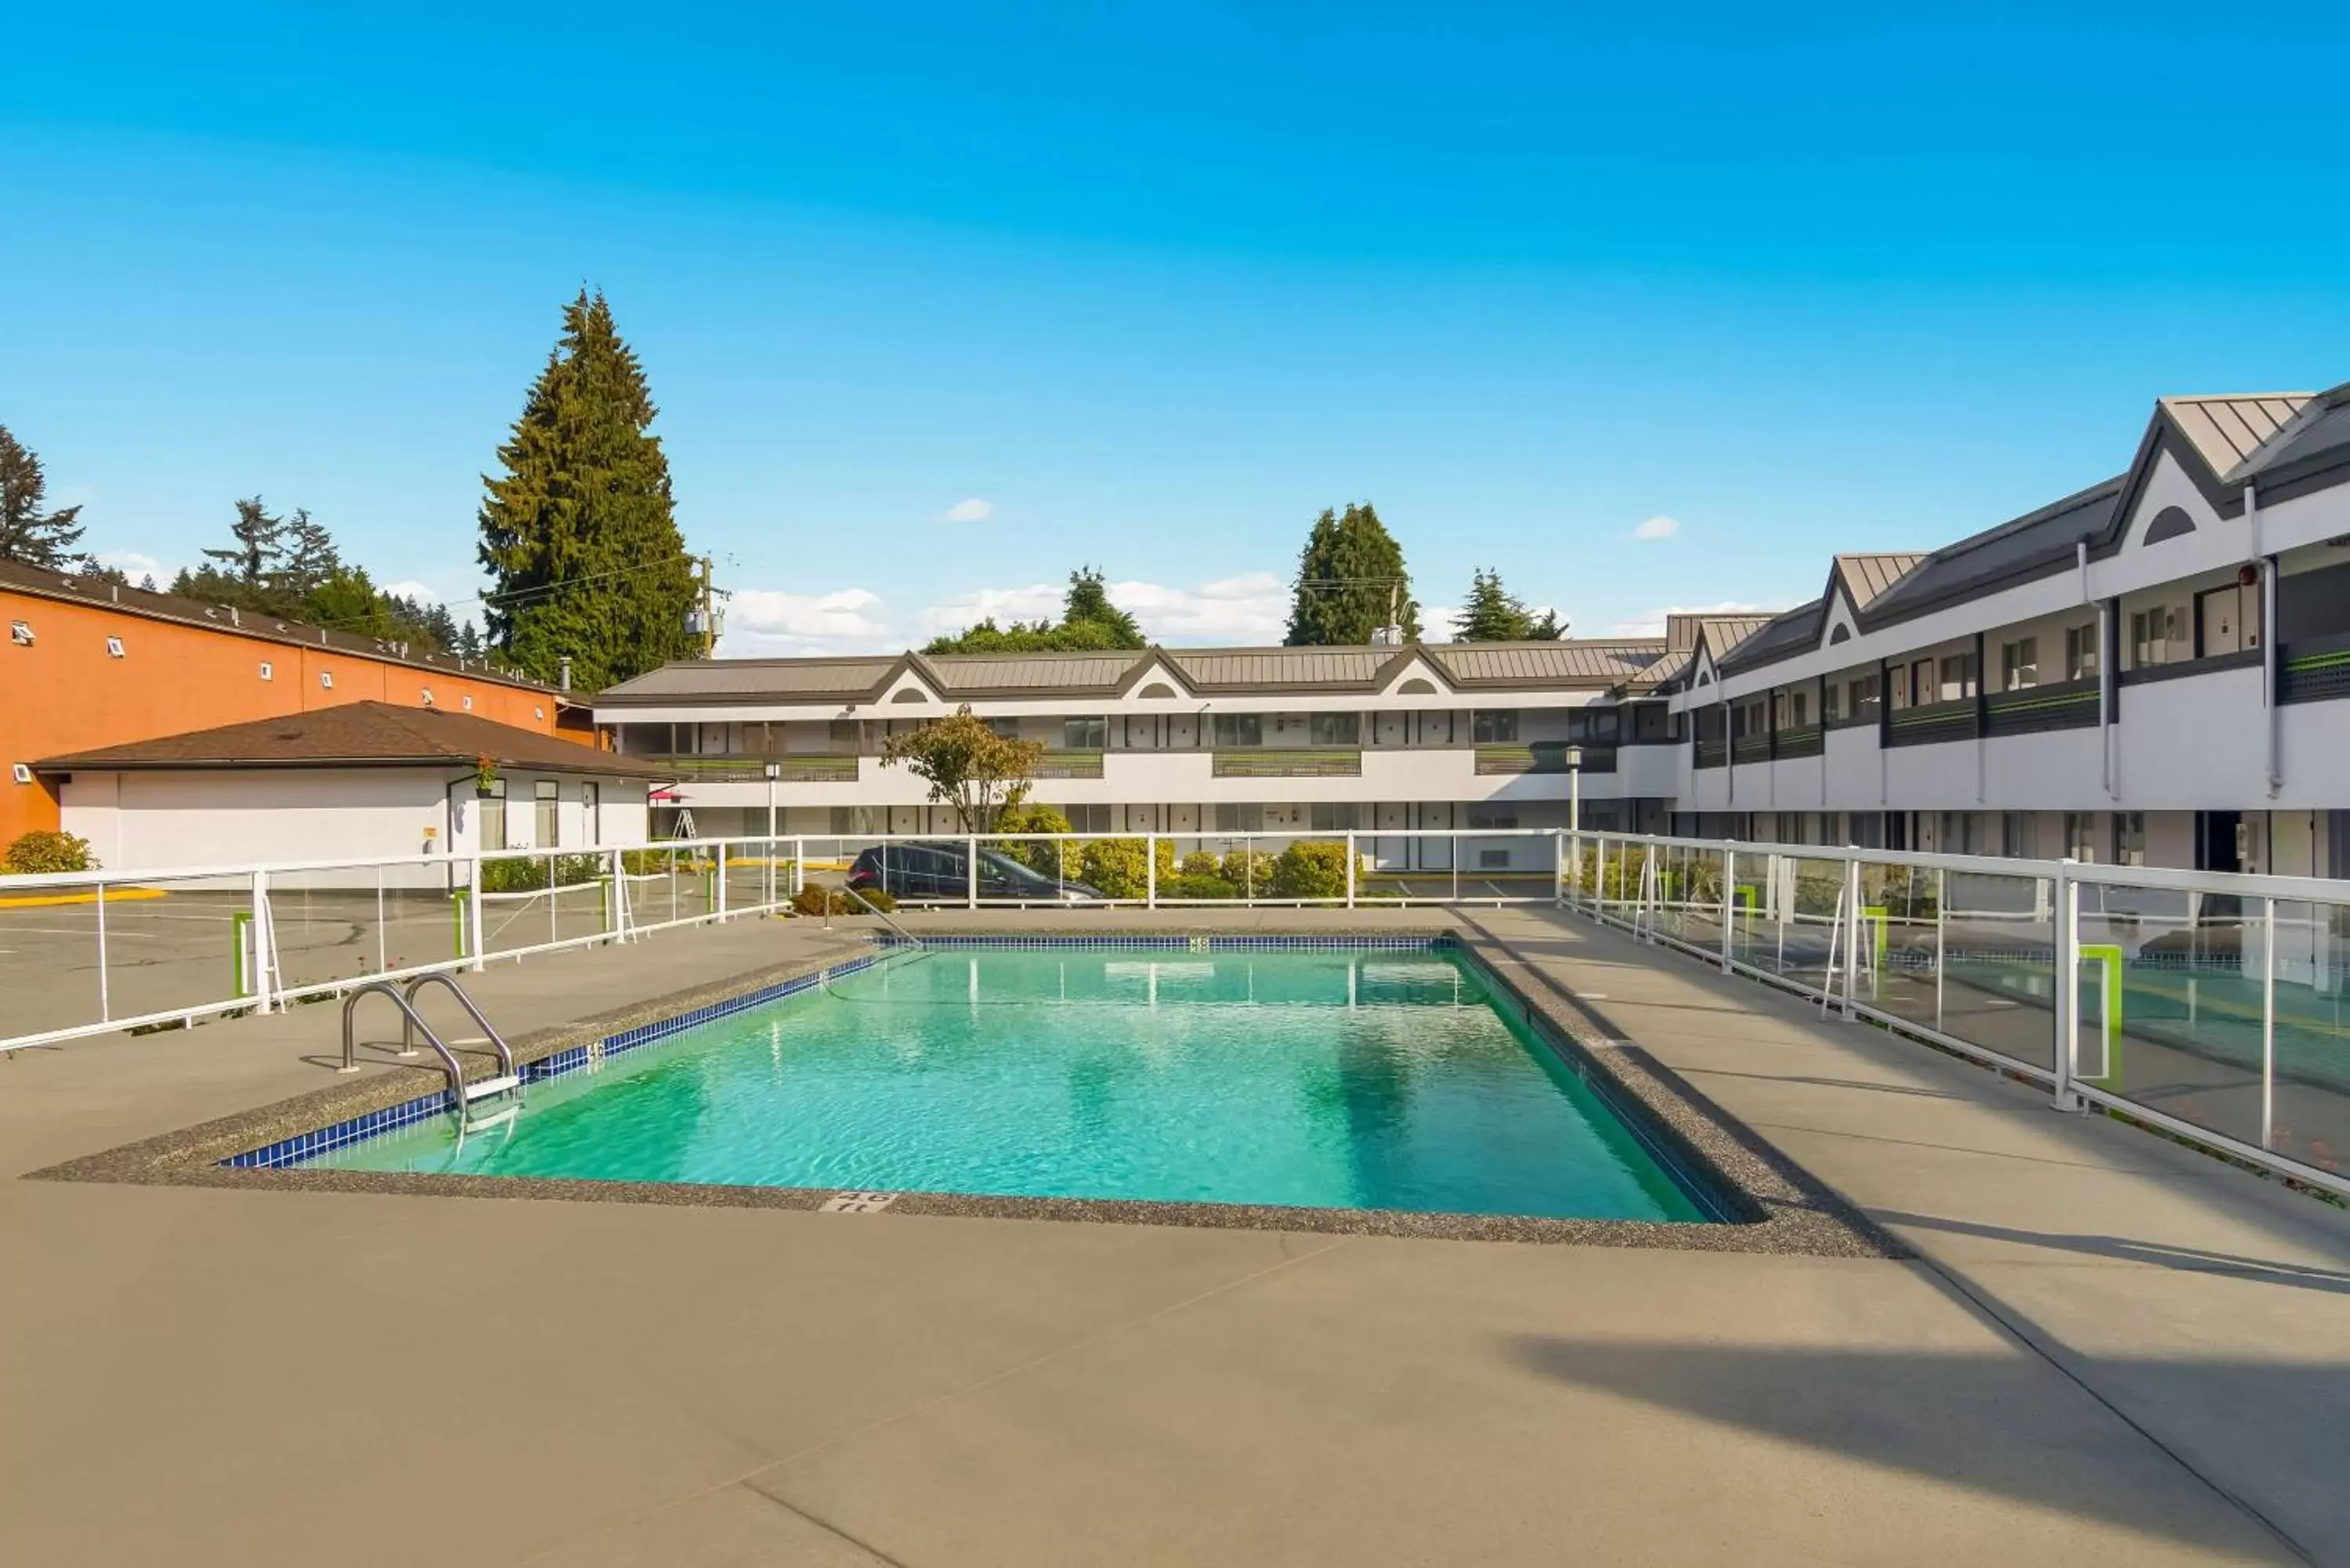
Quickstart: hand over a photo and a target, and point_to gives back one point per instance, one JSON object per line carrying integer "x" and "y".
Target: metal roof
{"x": 973, "y": 672}
{"x": 1562, "y": 662}
{"x": 741, "y": 678}
{"x": 1256, "y": 668}
{"x": 2226, "y": 430}
{"x": 2036, "y": 542}
{"x": 2319, "y": 428}
{"x": 1867, "y": 575}
{"x": 375, "y": 734}
{"x": 1794, "y": 631}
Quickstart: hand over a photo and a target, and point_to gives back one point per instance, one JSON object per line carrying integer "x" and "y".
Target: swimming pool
{"x": 1341, "y": 1079}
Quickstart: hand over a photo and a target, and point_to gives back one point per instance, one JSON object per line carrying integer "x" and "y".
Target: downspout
{"x": 2268, "y": 672}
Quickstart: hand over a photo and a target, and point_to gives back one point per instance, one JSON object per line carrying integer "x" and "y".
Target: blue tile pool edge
{"x": 308, "y": 1145}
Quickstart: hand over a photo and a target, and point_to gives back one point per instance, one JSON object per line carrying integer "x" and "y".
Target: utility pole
{"x": 708, "y": 617}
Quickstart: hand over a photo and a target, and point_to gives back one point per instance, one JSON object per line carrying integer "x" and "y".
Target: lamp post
{"x": 773, "y": 772}
{"x": 1575, "y": 813}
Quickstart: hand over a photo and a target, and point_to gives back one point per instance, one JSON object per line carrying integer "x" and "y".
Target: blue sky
{"x": 1149, "y": 286}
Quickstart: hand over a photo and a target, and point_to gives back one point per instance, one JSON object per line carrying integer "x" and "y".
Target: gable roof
{"x": 2316, "y": 438}
{"x": 1866, "y": 577}
{"x": 2225, "y": 431}
{"x": 372, "y": 735}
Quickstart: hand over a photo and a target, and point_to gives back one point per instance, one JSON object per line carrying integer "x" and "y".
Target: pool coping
{"x": 1787, "y": 1211}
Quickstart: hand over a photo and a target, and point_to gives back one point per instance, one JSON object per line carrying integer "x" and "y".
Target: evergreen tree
{"x": 28, "y": 532}
{"x": 348, "y": 601}
{"x": 1088, "y": 621}
{"x": 1493, "y": 614}
{"x": 578, "y": 530}
{"x": 1349, "y": 576}
{"x": 255, "y": 560}
{"x": 469, "y": 641}
{"x": 306, "y": 558}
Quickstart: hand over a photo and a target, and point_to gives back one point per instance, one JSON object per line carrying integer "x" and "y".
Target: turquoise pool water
{"x": 1325, "y": 1079}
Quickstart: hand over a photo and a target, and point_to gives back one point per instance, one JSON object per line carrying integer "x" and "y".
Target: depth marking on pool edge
{"x": 856, "y": 1202}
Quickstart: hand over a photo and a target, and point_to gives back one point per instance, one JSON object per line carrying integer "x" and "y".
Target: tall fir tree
{"x": 28, "y": 532}
{"x": 1493, "y": 614}
{"x": 1088, "y": 622}
{"x": 578, "y": 531}
{"x": 260, "y": 549}
{"x": 1350, "y": 579}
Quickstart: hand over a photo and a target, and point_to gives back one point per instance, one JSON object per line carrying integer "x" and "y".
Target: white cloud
{"x": 1250, "y": 608}
{"x": 1036, "y": 601}
{"x": 1651, "y": 623}
{"x": 413, "y": 590}
{"x": 138, "y": 566}
{"x": 763, "y": 623}
{"x": 1658, "y": 527}
{"x": 969, "y": 509}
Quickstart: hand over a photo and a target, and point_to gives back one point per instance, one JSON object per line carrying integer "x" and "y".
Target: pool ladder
{"x": 506, "y": 1086}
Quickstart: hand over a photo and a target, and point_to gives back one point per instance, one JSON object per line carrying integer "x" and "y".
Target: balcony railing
{"x": 2068, "y": 705}
{"x": 814, "y": 768}
{"x": 1540, "y": 757}
{"x": 1797, "y": 742}
{"x": 1712, "y": 754}
{"x": 1331, "y": 763}
{"x": 1936, "y": 722}
{"x": 1070, "y": 765}
{"x": 1751, "y": 749}
{"x": 2314, "y": 670}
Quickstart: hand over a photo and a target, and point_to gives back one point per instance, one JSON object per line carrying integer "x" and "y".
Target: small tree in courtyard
{"x": 968, "y": 765}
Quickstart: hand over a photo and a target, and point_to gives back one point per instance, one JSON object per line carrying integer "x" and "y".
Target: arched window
{"x": 1156, "y": 688}
{"x": 2168, "y": 524}
{"x": 1416, "y": 686}
{"x": 911, "y": 694}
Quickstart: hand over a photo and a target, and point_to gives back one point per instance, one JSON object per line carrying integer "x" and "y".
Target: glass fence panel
{"x": 49, "y": 958}
{"x": 1999, "y": 964}
{"x": 1901, "y": 943}
{"x": 2309, "y": 1111}
{"x": 329, "y": 925}
{"x": 754, "y": 867}
{"x": 423, "y": 918}
{"x": 517, "y": 907}
{"x": 170, "y": 942}
{"x": 2172, "y": 1004}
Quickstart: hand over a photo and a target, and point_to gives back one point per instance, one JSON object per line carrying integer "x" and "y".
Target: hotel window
{"x": 547, "y": 806}
{"x": 2129, "y": 838}
{"x": 856, "y": 821}
{"x": 326, "y": 680}
{"x": 1494, "y": 726}
{"x": 268, "y": 670}
{"x": 2157, "y": 635}
{"x": 1831, "y": 702}
{"x": 1332, "y": 816}
{"x": 493, "y": 806}
{"x": 1086, "y": 734}
{"x": 468, "y": 702}
{"x": 591, "y": 801}
{"x": 1240, "y": 730}
{"x": 1238, "y": 816}
{"x": 20, "y": 632}
{"x": 1492, "y": 818}
{"x": 845, "y": 736}
{"x": 1958, "y": 680}
{"x": 2081, "y": 835}
{"x": 2019, "y": 664}
{"x": 1955, "y": 833}
{"x": 2019, "y": 839}
{"x": 1003, "y": 729}
{"x": 1863, "y": 691}
{"x": 1335, "y": 729}
{"x": 2081, "y": 653}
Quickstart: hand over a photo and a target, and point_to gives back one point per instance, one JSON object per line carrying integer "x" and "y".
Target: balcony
{"x": 1540, "y": 757}
{"x": 1934, "y": 721}
{"x": 818, "y": 768}
{"x": 1803, "y": 742}
{"x": 2032, "y": 710}
{"x": 1333, "y": 762}
{"x": 2314, "y": 670}
{"x": 1712, "y": 754}
{"x": 1751, "y": 749}
{"x": 1070, "y": 765}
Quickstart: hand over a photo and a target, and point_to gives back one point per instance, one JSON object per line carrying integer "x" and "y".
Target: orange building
{"x": 88, "y": 664}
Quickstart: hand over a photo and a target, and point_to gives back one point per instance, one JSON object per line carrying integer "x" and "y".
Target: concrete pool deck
{"x": 2108, "y": 1349}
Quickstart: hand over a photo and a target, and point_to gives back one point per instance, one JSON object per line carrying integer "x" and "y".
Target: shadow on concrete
{"x": 1821, "y": 1082}
{"x": 2161, "y": 1254}
{"x": 2001, "y": 1424}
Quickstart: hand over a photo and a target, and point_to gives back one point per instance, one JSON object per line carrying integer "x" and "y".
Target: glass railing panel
{"x": 2309, "y": 1112}
{"x": 1999, "y": 963}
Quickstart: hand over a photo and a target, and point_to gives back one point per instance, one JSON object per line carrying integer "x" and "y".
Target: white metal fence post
{"x": 1557, "y": 869}
{"x": 799, "y": 866}
{"x": 718, "y": 875}
{"x": 1729, "y": 904}
{"x": 1852, "y": 947}
{"x": 970, "y": 868}
{"x": 260, "y": 929}
{"x": 2066, "y": 957}
{"x": 1350, "y": 870}
{"x": 2268, "y": 1023}
{"x": 105, "y": 997}
{"x": 478, "y": 940}
{"x": 1150, "y": 871}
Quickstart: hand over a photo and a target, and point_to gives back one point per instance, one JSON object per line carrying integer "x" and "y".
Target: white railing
{"x": 2208, "y": 1004}
{"x": 2205, "y": 1003}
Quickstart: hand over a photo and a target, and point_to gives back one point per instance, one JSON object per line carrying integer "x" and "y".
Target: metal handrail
{"x": 408, "y": 1026}
{"x": 885, "y": 919}
{"x": 449, "y": 1063}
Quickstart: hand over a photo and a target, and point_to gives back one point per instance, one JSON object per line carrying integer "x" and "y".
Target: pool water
{"x": 1325, "y": 1079}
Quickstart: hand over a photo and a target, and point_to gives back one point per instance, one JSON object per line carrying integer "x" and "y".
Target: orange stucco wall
{"x": 67, "y": 693}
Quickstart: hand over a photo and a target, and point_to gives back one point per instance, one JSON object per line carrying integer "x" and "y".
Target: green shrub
{"x": 1038, "y": 854}
{"x": 1204, "y": 863}
{"x": 1251, "y": 870}
{"x": 530, "y": 876}
{"x": 1191, "y": 885}
{"x": 814, "y": 899}
{"x": 1119, "y": 869}
{"x": 1311, "y": 870}
{"x": 40, "y": 852}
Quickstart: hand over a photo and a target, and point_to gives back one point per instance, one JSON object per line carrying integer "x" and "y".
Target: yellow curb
{"x": 50, "y": 900}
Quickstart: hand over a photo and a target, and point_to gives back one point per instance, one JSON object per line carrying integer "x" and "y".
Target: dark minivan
{"x": 925, "y": 873}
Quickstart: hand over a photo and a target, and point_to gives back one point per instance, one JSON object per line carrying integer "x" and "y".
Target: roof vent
{"x": 20, "y": 632}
